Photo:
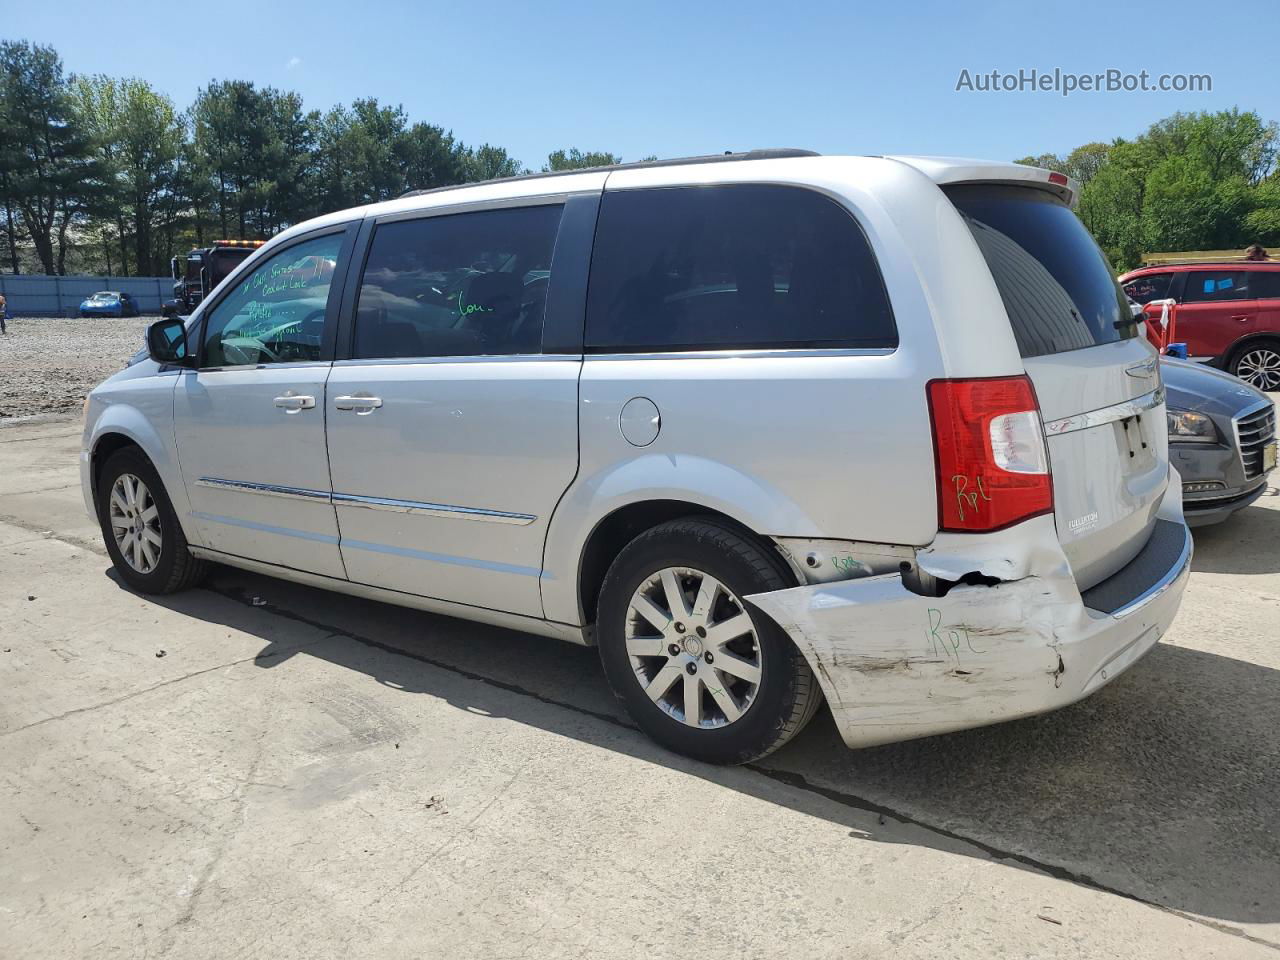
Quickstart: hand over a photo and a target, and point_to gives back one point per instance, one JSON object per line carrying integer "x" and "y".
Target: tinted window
{"x": 1056, "y": 284}
{"x": 1211, "y": 286}
{"x": 1154, "y": 286}
{"x": 1266, "y": 284}
{"x": 732, "y": 266}
{"x": 276, "y": 313}
{"x": 466, "y": 284}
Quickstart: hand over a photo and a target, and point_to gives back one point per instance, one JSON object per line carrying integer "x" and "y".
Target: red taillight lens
{"x": 1058, "y": 178}
{"x": 993, "y": 469}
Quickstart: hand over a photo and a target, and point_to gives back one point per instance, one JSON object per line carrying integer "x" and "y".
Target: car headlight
{"x": 1186, "y": 426}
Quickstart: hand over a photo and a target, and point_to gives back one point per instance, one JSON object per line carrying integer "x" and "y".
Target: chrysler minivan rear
{"x": 1062, "y": 551}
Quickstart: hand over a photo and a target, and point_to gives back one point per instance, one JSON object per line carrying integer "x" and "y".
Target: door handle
{"x": 1242, "y": 318}
{"x": 290, "y": 403}
{"x": 362, "y": 405}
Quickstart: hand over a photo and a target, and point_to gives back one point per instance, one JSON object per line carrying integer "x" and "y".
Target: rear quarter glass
{"x": 733, "y": 266}
{"x": 1056, "y": 284}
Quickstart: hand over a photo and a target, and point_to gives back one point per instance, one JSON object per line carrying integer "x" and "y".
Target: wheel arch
{"x": 618, "y": 528}
{"x": 105, "y": 446}
{"x": 122, "y": 425}
{"x": 585, "y": 527}
{"x": 1247, "y": 341}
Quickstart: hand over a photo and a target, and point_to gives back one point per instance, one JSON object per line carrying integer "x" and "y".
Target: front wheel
{"x": 1258, "y": 364}
{"x": 140, "y": 528}
{"x": 698, "y": 669}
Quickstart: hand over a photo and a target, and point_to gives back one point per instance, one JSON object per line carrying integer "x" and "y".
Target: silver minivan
{"x": 769, "y": 429}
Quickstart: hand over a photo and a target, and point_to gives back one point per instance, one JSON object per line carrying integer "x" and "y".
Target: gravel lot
{"x": 49, "y": 364}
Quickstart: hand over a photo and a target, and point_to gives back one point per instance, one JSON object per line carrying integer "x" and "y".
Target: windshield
{"x": 102, "y": 297}
{"x": 1056, "y": 284}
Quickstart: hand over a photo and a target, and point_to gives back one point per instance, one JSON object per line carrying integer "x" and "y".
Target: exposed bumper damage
{"x": 895, "y": 665}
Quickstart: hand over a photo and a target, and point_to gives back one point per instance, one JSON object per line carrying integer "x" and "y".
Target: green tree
{"x": 359, "y": 150}
{"x": 1083, "y": 163}
{"x": 430, "y": 157}
{"x": 137, "y": 135}
{"x": 1190, "y": 181}
{"x": 1111, "y": 203}
{"x": 1049, "y": 161}
{"x": 52, "y": 165}
{"x": 487, "y": 162}
{"x": 575, "y": 159}
{"x": 98, "y": 101}
{"x": 1262, "y": 223}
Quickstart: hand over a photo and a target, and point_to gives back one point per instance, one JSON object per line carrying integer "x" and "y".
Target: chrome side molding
{"x": 369, "y": 503}
{"x": 1096, "y": 418}
{"x": 266, "y": 489}
{"x": 431, "y": 509}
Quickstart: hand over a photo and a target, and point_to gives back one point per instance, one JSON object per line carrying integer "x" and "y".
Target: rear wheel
{"x": 698, "y": 669}
{"x": 140, "y": 528}
{"x": 1257, "y": 363}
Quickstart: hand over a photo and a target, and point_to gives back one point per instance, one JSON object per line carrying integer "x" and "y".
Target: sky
{"x": 686, "y": 78}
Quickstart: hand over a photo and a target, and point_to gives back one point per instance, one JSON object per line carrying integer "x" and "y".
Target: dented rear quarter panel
{"x": 895, "y": 665}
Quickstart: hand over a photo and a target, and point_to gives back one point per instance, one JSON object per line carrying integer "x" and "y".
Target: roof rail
{"x": 776, "y": 153}
{"x": 1200, "y": 262}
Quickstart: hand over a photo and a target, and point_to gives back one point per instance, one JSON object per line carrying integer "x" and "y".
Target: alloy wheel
{"x": 693, "y": 647}
{"x": 135, "y": 523}
{"x": 1260, "y": 367}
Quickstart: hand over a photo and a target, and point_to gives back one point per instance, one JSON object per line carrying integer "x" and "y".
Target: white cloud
{"x": 293, "y": 62}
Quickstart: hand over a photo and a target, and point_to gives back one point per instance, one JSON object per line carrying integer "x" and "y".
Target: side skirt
{"x": 462, "y": 611}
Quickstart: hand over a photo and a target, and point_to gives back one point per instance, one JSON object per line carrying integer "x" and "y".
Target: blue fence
{"x": 40, "y": 295}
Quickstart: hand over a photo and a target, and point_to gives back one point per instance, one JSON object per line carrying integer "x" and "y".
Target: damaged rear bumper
{"x": 895, "y": 665}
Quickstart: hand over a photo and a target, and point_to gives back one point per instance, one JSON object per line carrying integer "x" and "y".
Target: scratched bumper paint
{"x": 895, "y": 665}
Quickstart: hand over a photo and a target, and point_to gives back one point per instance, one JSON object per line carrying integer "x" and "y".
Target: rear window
{"x": 1144, "y": 289}
{"x": 1056, "y": 284}
{"x": 732, "y": 266}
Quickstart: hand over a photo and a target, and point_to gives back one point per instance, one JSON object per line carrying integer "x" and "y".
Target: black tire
{"x": 175, "y": 568}
{"x": 1258, "y": 344}
{"x": 787, "y": 695}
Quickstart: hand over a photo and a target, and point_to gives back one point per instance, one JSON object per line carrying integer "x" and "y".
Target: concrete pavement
{"x": 259, "y": 769}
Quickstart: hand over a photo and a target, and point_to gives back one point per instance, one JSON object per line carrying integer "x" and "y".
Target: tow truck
{"x": 196, "y": 274}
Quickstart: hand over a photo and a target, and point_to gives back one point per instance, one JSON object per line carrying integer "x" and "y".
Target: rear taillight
{"x": 993, "y": 469}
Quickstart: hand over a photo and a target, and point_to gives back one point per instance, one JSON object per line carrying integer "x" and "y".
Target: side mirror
{"x": 167, "y": 342}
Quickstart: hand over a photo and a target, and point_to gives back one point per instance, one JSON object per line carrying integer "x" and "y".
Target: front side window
{"x": 458, "y": 285}
{"x": 276, "y": 313}
{"x": 1212, "y": 286}
{"x": 732, "y": 266}
{"x": 1154, "y": 286}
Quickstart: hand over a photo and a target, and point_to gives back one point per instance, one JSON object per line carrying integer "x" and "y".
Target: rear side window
{"x": 1213, "y": 286}
{"x": 733, "y": 266}
{"x": 1154, "y": 286}
{"x": 1266, "y": 284}
{"x": 1055, "y": 282}
{"x": 466, "y": 284}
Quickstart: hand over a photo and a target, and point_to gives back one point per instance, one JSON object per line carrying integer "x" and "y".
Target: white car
{"x": 767, "y": 428}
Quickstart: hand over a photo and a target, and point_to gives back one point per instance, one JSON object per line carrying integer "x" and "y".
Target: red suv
{"x": 1228, "y": 313}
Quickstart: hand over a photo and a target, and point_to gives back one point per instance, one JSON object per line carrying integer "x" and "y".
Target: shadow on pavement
{"x": 1163, "y": 786}
{"x": 1247, "y": 542}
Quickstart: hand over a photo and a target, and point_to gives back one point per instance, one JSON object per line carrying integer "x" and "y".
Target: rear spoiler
{"x": 949, "y": 170}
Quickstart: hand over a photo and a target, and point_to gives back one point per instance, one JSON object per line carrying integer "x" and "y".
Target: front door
{"x": 250, "y": 420}
{"x": 452, "y": 433}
